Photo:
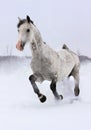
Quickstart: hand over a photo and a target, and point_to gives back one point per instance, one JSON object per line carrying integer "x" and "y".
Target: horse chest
{"x": 40, "y": 64}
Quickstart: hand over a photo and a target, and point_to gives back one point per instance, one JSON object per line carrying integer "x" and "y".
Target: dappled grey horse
{"x": 46, "y": 63}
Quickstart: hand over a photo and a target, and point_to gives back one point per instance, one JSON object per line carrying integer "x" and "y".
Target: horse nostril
{"x": 23, "y": 44}
{"x": 20, "y": 45}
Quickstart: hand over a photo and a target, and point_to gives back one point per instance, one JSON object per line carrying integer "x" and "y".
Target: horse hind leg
{"x": 75, "y": 74}
{"x": 53, "y": 88}
{"x": 41, "y": 97}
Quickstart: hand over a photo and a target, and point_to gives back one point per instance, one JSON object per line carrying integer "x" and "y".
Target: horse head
{"x": 25, "y": 31}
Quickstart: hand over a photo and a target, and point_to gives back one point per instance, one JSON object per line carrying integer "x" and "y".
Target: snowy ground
{"x": 20, "y": 108}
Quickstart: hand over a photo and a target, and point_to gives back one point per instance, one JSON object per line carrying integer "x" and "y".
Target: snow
{"x": 20, "y": 108}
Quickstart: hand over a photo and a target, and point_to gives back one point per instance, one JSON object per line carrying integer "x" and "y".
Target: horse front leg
{"x": 41, "y": 97}
{"x": 53, "y": 88}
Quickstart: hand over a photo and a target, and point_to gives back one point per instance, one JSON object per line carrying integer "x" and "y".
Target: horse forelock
{"x": 22, "y": 22}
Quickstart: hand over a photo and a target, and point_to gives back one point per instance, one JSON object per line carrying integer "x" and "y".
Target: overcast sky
{"x": 59, "y": 21}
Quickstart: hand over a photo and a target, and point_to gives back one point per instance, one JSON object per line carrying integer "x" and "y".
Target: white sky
{"x": 59, "y": 21}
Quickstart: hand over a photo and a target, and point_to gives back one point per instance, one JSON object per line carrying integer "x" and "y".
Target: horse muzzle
{"x": 20, "y": 45}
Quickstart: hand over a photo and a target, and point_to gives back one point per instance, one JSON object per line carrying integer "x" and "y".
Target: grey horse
{"x": 46, "y": 63}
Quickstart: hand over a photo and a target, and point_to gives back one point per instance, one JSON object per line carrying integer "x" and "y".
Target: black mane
{"x": 22, "y": 22}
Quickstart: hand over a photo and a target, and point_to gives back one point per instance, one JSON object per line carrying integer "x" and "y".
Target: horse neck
{"x": 37, "y": 43}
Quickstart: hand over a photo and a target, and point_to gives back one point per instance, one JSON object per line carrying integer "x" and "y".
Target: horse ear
{"x": 19, "y": 19}
{"x": 28, "y": 19}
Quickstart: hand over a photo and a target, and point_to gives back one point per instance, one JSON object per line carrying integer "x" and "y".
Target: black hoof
{"x": 58, "y": 97}
{"x": 61, "y": 96}
{"x": 42, "y": 98}
{"x": 76, "y": 91}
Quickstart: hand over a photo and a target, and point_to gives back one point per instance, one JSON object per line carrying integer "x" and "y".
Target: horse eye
{"x": 28, "y": 30}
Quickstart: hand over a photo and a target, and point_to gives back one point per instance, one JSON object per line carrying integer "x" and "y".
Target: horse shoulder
{"x": 49, "y": 53}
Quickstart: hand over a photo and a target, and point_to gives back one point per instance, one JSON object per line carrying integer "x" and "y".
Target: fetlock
{"x": 42, "y": 97}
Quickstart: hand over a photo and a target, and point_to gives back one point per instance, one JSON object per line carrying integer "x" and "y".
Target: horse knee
{"x": 53, "y": 87}
{"x": 31, "y": 78}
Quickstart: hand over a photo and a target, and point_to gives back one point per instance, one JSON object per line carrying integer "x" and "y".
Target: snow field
{"x": 20, "y": 108}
